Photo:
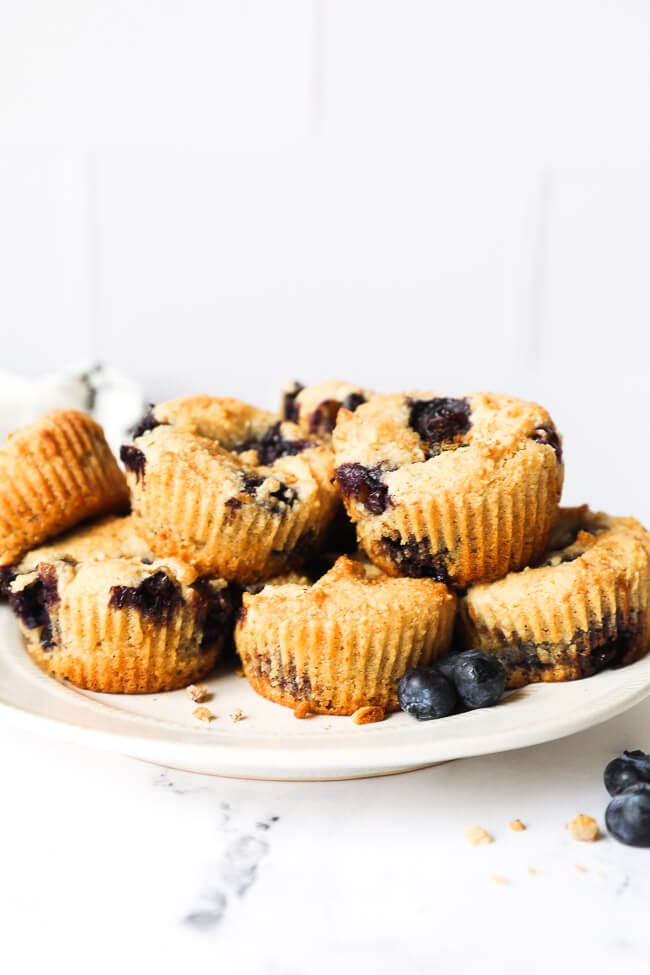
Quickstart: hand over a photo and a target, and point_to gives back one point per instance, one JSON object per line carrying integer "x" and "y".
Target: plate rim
{"x": 326, "y": 761}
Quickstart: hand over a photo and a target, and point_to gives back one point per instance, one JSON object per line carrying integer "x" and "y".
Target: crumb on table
{"x": 517, "y": 826}
{"x": 478, "y": 836}
{"x": 584, "y": 828}
{"x": 580, "y": 868}
{"x": 198, "y": 692}
{"x": 237, "y": 715}
{"x": 501, "y": 881}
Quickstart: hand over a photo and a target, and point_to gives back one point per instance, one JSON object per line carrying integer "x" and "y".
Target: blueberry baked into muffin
{"x": 315, "y": 408}
{"x": 123, "y": 625}
{"x": 344, "y": 642}
{"x": 113, "y": 536}
{"x": 458, "y": 490}
{"x": 54, "y": 474}
{"x": 229, "y": 488}
{"x": 582, "y": 608}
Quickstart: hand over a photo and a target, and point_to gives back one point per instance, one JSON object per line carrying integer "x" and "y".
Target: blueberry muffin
{"x": 122, "y": 625}
{"x": 54, "y": 474}
{"x": 458, "y": 490}
{"x": 582, "y": 608}
{"x": 109, "y": 537}
{"x": 315, "y": 408}
{"x": 344, "y": 642}
{"x": 229, "y": 488}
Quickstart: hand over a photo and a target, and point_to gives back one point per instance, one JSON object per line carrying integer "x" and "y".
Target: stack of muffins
{"x": 343, "y": 541}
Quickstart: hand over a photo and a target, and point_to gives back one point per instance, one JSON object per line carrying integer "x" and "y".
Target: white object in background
{"x": 115, "y": 401}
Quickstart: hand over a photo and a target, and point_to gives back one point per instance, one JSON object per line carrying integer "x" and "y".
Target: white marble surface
{"x": 112, "y": 865}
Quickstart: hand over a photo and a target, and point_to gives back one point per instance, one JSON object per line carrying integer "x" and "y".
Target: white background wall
{"x": 218, "y": 196}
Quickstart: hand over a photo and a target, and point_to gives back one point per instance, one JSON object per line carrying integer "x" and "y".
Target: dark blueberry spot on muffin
{"x": 282, "y": 673}
{"x": 439, "y": 420}
{"x": 218, "y": 606}
{"x": 415, "y": 559}
{"x": 284, "y": 495}
{"x": 273, "y": 445}
{"x": 46, "y": 638}
{"x": 146, "y": 422}
{"x": 547, "y": 434}
{"x": 134, "y": 460}
{"x": 156, "y": 597}
{"x": 364, "y": 484}
{"x": 614, "y": 641}
{"x": 352, "y": 400}
{"x": 251, "y": 482}
{"x": 323, "y": 418}
{"x": 290, "y": 409}
{"x": 7, "y": 576}
{"x": 32, "y": 604}
{"x": 233, "y": 505}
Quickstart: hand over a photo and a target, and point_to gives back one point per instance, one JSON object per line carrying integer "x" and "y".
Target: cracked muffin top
{"x": 315, "y": 408}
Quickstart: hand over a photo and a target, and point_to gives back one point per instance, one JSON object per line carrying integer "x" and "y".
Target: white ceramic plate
{"x": 271, "y": 744}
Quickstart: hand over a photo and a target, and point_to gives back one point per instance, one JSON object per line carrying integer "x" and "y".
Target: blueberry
{"x": 628, "y": 815}
{"x": 440, "y": 419}
{"x": 479, "y": 677}
{"x": 629, "y": 769}
{"x": 365, "y": 484}
{"x": 426, "y": 694}
{"x": 446, "y": 664}
{"x": 547, "y": 434}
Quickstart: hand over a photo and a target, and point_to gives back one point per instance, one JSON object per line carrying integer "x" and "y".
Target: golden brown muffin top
{"x": 107, "y": 538}
{"x": 421, "y": 442}
{"x": 353, "y": 591}
{"x": 598, "y": 549}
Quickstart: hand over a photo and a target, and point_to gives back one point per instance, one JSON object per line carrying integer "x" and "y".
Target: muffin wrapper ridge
{"x": 337, "y": 668}
{"x": 120, "y": 651}
{"x": 55, "y": 479}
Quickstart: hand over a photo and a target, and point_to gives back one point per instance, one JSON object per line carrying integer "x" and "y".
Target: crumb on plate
{"x": 237, "y": 715}
{"x": 517, "y": 826}
{"x": 198, "y": 692}
{"x": 368, "y": 715}
{"x": 203, "y": 714}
